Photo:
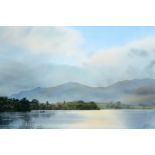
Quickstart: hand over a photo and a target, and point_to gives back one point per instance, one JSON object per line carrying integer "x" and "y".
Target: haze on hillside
{"x": 131, "y": 92}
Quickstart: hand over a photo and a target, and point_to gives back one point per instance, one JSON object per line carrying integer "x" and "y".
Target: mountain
{"x": 137, "y": 91}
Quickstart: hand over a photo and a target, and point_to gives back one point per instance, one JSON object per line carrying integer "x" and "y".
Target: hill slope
{"x": 130, "y": 92}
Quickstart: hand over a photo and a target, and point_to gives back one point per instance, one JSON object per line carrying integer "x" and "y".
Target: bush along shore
{"x": 22, "y": 105}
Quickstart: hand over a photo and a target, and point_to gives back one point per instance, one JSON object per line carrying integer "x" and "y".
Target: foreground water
{"x": 95, "y": 119}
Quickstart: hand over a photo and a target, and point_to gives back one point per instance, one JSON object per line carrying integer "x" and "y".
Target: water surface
{"x": 78, "y": 119}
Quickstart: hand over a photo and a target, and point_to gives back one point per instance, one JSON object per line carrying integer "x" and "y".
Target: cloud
{"x": 34, "y": 56}
{"x": 134, "y": 60}
{"x": 138, "y": 49}
{"x": 48, "y": 56}
{"x": 150, "y": 68}
{"x": 53, "y": 43}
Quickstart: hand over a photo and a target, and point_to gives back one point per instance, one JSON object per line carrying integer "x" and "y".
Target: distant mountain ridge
{"x": 137, "y": 91}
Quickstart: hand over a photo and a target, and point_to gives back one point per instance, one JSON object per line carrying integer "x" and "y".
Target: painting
{"x": 77, "y": 77}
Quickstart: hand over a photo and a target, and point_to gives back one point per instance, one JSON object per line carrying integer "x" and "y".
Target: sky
{"x": 33, "y": 57}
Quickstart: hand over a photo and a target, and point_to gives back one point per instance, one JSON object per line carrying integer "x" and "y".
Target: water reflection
{"x": 139, "y": 119}
{"x": 117, "y": 119}
{"x": 23, "y": 120}
{"x": 99, "y": 119}
{"x": 4, "y": 121}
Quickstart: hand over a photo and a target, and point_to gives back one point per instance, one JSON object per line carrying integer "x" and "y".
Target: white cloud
{"x": 49, "y": 42}
{"x": 128, "y": 62}
{"x": 139, "y": 49}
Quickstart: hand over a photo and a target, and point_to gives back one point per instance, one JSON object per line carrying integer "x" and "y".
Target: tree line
{"x": 22, "y": 105}
{"x": 115, "y": 105}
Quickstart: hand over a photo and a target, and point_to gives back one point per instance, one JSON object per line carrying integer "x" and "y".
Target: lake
{"x": 79, "y": 119}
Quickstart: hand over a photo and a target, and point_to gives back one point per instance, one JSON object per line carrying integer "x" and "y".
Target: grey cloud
{"x": 131, "y": 70}
{"x": 138, "y": 52}
{"x": 147, "y": 90}
{"x": 17, "y": 76}
{"x": 150, "y": 68}
{"x": 152, "y": 64}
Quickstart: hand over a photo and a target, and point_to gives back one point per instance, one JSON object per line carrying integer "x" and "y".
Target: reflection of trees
{"x": 26, "y": 121}
{"x": 5, "y": 121}
{"x": 28, "y": 118}
{"x": 15, "y": 120}
{"x": 23, "y": 120}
